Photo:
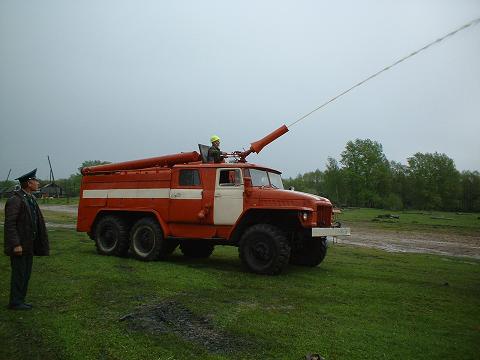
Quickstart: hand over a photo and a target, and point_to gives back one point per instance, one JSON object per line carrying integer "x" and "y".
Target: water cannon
{"x": 258, "y": 145}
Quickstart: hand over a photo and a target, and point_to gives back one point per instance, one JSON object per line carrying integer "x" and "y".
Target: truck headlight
{"x": 305, "y": 216}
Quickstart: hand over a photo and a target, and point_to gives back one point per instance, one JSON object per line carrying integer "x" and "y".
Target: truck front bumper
{"x": 317, "y": 232}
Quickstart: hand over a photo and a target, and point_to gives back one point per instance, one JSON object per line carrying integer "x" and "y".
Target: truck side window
{"x": 230, "y": 177}
{"x": 189, "y": 177}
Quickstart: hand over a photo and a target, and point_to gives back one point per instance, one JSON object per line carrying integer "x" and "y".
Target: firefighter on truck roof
{"x": 214, "y": 153}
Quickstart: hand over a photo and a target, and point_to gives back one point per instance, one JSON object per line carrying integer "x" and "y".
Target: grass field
{"x": 358, "y": 304}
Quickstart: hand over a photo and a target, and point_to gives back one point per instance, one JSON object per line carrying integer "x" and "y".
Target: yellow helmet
{"x": 214, "y": 138}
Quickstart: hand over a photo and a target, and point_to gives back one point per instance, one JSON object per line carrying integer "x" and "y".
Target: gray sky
{"x": 123, "y": 80}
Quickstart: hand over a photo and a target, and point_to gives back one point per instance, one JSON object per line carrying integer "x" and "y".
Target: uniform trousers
{"x": 21, "y": 271}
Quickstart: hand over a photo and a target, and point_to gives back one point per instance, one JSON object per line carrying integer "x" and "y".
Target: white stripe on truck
{"x": 186, "y": 194}
{"x": 163, "y": 193}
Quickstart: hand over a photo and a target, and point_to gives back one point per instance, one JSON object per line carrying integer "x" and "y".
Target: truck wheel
{"x": 311, "y": 252}
{"x": 111, "y": 236}
{"x": 264, "y": 249}
{"x": 147, "y": 241}
{"x": 196, "y": 249}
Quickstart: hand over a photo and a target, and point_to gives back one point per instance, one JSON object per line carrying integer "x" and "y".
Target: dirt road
{"x": 418, "y": 242}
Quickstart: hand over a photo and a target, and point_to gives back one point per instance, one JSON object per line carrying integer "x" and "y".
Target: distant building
{"x": 51, "y": 190}
{"x": 8, "y": 192}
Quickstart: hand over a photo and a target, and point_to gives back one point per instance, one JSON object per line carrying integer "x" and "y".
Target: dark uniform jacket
{"x": 19, "y": 227}
{"x": 214, "y": 155}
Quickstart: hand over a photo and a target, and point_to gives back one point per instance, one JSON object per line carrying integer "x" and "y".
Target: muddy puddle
{"x": 170, "y": 316}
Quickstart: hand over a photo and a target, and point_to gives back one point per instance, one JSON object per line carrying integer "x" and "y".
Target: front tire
{"x": 111, "y": 236}
{"x": 264, "y": 249}
{"x": 309, "y": 251}
{"x": 148, "y": 242}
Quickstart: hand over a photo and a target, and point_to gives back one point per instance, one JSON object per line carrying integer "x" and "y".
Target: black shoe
{"x": 29, "y": 305}
{"x": 19, "y": 307}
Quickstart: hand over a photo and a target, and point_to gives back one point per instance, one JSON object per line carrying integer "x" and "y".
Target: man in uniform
{"x": 214, "y": 153}
{"x": 25, "y": 236}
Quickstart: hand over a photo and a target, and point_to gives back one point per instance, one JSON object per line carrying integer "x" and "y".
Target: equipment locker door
{"x": 185, "y": 196}
{"x": 228, "y": 197}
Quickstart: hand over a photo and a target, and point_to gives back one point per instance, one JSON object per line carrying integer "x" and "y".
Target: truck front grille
{"x": 324, "y": 215}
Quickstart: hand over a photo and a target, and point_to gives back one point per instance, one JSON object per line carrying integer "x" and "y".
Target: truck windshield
{"x": 264, "y": 178}
{"x": 275, "y": 180}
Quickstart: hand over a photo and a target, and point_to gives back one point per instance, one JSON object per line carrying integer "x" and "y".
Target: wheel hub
{"x": 261, "y": 251}
{"x": 145, "y": 240}
{"x": 108, "y": 238}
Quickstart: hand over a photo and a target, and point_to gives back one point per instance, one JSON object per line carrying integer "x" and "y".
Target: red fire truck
{"x": 149, "y": 207}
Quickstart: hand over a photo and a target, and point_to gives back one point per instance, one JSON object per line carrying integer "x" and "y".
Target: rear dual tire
{"x": 148, "y": 242}
{"x": 111, "y": 236}
{"x": 145, "y": 240}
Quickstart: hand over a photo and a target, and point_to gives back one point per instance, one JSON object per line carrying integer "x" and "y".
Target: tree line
{"x": 364, "y": 177}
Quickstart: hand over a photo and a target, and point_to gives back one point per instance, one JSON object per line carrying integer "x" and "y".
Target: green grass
{"x": 436, "y": 221}
{"x": 358, "y": 304}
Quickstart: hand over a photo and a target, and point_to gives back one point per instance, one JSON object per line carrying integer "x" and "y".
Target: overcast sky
{"x": 124, "y": 80}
